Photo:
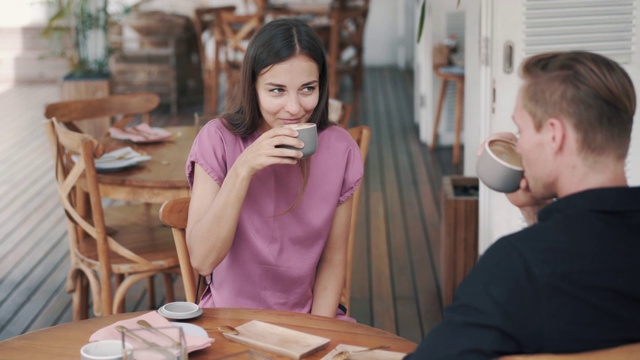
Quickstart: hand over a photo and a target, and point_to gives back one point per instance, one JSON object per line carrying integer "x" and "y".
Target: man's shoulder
{"x": 531, "y": 248}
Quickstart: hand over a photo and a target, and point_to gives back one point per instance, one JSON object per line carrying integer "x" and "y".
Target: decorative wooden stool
{"x": 446, "y": 74}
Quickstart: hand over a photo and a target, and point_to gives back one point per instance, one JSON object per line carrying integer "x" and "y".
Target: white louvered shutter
{"x": 606, "y": 27}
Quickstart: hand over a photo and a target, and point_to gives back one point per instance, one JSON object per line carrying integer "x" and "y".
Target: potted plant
{"x": 78, "y": 30}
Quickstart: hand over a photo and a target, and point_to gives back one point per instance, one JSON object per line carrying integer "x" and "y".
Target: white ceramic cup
{"x": 308, "y": 134}
{"x": 180, "y": 308}
{"x": 499, "y": 166}
{"x": 103, "y": 350}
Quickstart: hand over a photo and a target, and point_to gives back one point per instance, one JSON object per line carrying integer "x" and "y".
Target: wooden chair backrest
{"x": 203, "y": 20}
{"x": 362, "y": 135}
{"x": 123, "y": 108}
{"x": 232, "y": 33}
{"x": 175, "y": 213}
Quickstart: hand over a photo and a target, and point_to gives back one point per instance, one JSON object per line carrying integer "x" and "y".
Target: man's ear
{"x": 557, "y": 133}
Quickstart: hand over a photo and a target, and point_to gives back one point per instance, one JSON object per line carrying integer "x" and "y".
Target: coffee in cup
{"x": 499, "y": 166}
{"x": 307, "y": 133}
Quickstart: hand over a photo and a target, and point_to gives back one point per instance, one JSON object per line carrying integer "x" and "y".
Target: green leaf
{"x": 421, "y": 24}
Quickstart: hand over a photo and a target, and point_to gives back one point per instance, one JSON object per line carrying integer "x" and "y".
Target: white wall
{"x": 380, "y": 41}
{"x": 426, "y": 88}
{"x": 22, "y": 13}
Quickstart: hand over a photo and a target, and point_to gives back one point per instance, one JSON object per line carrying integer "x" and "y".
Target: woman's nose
{"x": 293, "y": 104}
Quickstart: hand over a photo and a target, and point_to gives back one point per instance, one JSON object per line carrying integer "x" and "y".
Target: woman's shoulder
{"x": 337, "y": 134}
{"x": 216, "y": 124}
{"x": 216, "y": 128}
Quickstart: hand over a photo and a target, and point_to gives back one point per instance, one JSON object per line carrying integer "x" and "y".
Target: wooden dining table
{"x": 64, "y": 341}
{"x": 153, "y": 181}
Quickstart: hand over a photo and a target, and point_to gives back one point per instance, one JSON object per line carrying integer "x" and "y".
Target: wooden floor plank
{"x": 397, "y": 246}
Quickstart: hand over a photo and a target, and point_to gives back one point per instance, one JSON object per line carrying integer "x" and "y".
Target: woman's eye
{"x": 277, "y": 90}
{"x": 308, "y": 89}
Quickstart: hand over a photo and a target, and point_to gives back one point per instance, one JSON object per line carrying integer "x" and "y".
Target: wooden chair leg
{"x": 80, "y": 298}
{"x": 84, "y": 297}
{"x": 168, "y": 288}
{"x": 118, "y": 280}
{"x": 459, "y": 105}
{"x": 151, "y": 292}
{"x": 357, "y": 93}
{"x": 436, "y": 121}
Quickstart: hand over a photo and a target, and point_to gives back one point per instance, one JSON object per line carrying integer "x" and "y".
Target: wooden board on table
{"x": 278, "y": 339}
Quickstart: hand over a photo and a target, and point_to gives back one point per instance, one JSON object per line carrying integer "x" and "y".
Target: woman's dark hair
{"x": 275, "y": 42}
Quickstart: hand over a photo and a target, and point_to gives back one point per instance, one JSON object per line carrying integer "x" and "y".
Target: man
{"x": 570, "y": 282}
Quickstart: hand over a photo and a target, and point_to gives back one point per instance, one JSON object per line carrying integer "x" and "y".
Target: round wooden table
{"x": 154, "y": 181}
{"x": 64, "y": 341}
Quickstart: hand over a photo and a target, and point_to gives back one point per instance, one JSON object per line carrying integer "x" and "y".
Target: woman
{"x": 272, "y": 228}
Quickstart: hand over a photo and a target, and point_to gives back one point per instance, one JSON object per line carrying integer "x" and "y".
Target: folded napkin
{"x": 140, "y": 133}
{"x": 153, "y": 318}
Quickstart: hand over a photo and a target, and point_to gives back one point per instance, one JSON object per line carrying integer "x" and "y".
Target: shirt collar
{"x": 615, "y": 199}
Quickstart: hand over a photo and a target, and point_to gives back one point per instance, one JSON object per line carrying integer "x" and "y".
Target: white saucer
{"x": 117, "y": 160}
{"x": 180, "y": 310}
{"x": 191, "y": 329}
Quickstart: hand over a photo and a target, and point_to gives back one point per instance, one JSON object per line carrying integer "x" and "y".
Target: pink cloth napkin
{"x": 140, "y": 133}
{"x": 110, "y": 332}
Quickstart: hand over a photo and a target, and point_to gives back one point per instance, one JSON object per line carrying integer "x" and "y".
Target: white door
{"x": 520, "y": 28}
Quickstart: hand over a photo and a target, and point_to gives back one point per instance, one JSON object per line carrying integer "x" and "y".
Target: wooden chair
{"x": 345, "y": 54}
{"x": 117, "y": 110}
{"x": 174, "y": 213}
{"x": 203, "y": 21}
{"x": 362, "y": 135}
{"x": 136, "y": 245}
{"x": 339, "y": 113}
{"x": 232, "y": 33}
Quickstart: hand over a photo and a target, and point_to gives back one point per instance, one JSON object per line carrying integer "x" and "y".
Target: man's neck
{"x": 600, "y": 174}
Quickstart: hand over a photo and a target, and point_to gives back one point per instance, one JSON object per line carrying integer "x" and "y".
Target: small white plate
{"x": 191, "y": 329}
{"x": 117, "y": 159}
{"x": 180, "y": 310}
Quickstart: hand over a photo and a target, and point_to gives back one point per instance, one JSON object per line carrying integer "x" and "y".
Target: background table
{"x": 157, "y": 180}
{"x": 64, "y": 341}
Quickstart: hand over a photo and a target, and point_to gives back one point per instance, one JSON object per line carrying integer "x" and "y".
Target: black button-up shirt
{"x": 569, "y": 283}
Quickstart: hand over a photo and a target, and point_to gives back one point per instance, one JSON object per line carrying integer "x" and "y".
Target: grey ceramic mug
{"x": 308, "y": 134}
{"x": 499, "y": 166}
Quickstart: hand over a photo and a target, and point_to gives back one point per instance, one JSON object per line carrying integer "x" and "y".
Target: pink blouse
{"x": 272, "y": 262}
